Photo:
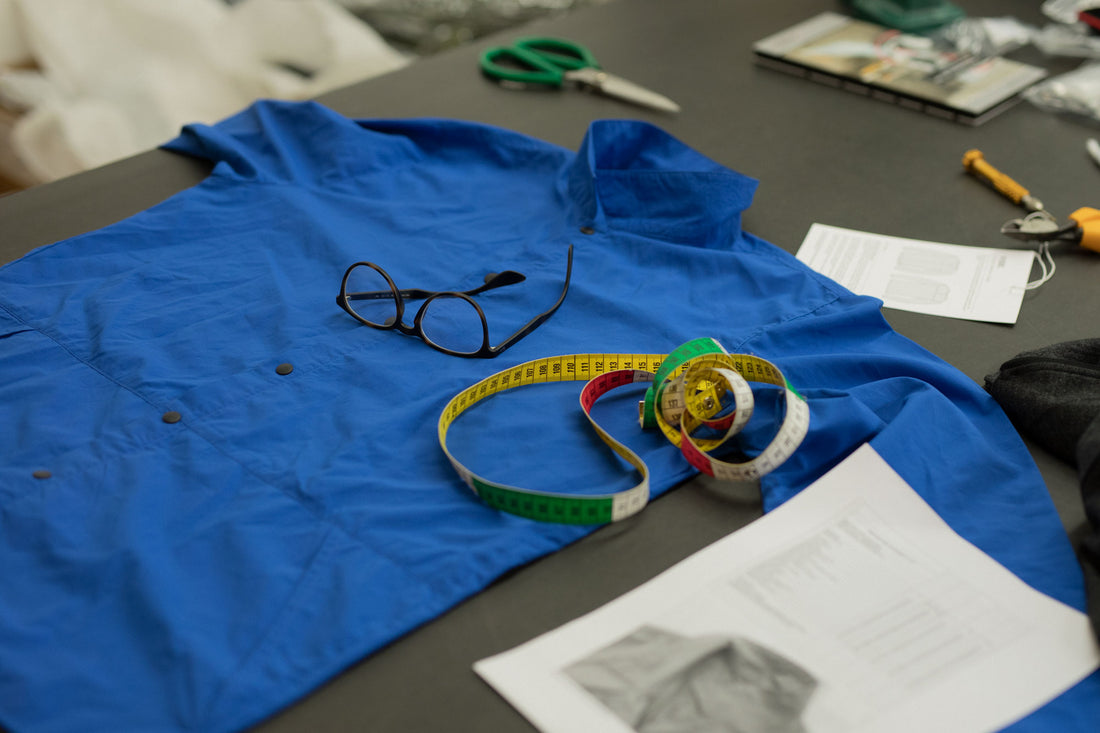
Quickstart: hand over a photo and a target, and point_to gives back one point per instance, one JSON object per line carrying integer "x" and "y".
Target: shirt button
{"x": 284, "y": 369}
{"x": 42, "y": 473}
{"x": 171, "y": 417}
{"x": 587, "y": 230}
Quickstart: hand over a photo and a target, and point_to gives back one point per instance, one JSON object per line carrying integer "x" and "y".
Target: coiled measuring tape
{"x": 698, "y": 388}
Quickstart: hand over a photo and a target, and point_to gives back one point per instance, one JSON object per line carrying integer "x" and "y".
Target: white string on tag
{"x": 1046, "y": 266}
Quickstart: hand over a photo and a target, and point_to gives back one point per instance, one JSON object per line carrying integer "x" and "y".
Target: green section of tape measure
{"x": 545, "y": 507}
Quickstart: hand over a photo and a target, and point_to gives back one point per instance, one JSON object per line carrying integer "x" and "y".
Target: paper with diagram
{"x": 973, "y": 283}
{"x": 853, "y": 607}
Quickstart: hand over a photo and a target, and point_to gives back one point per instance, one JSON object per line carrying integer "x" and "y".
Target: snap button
{"x": 587, "y": 230}
{"x": 41, "y": 473}
{"x": 284, "y": 369}
{"x": 171, "y": 417}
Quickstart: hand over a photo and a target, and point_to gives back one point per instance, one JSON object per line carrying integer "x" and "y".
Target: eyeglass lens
{"x": 452, "y": 323}
{"x": 381, "y": 307}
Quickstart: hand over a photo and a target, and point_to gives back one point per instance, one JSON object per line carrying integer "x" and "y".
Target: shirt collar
{"x": 633, "y": 176}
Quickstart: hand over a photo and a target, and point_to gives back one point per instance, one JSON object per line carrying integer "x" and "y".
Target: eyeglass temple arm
{"x": 498, "y": 280}
{"x": 542, "y": 317}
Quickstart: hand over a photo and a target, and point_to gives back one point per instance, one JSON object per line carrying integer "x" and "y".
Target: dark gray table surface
{"x": 821, "y": 155}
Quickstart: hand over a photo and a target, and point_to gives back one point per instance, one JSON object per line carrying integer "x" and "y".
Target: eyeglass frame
{"x": 497, "y": 280}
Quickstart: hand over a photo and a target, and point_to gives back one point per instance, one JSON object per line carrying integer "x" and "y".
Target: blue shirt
{"x": 200, "y": 573}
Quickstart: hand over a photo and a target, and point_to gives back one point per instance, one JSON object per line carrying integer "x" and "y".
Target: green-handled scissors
{"x": 554, "y": 61}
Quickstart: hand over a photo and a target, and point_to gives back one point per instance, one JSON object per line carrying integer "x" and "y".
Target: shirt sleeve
{"x": 274, "y": 141}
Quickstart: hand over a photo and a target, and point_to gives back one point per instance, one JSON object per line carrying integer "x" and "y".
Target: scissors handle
{"x": 541, "y": 60}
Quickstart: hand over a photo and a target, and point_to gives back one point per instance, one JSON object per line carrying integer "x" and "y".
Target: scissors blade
{"x": 620, "y": 88}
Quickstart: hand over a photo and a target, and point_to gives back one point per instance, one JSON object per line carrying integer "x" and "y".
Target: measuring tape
{"x": 699, "y": 397}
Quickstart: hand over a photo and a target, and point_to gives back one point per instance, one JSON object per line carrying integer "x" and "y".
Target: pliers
{"x": 1083, "y": 228}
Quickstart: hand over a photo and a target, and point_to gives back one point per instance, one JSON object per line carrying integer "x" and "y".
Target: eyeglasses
{"x": 447, "y": 321}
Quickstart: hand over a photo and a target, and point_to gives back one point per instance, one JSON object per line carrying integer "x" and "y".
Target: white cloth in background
{"x": 13, "y": 47}
{"x": 116, "y": 77}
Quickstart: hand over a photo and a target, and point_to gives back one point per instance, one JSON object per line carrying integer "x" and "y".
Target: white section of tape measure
{"x": 629, "y": 502}
{"x": 792, "y": 431}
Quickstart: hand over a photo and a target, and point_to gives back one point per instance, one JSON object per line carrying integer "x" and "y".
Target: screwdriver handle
{"x": 976, "y": 164}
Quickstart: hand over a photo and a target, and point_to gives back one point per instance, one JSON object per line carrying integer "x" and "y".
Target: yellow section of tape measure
{"x": 699, "y": 381}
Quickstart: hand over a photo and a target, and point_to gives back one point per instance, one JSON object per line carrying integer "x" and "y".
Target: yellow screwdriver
{"x": 976, "y": 165}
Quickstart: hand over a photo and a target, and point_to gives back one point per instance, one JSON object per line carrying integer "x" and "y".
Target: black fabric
{"x": 1052, "y": 395}
{"x": 1088, "y": 467}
